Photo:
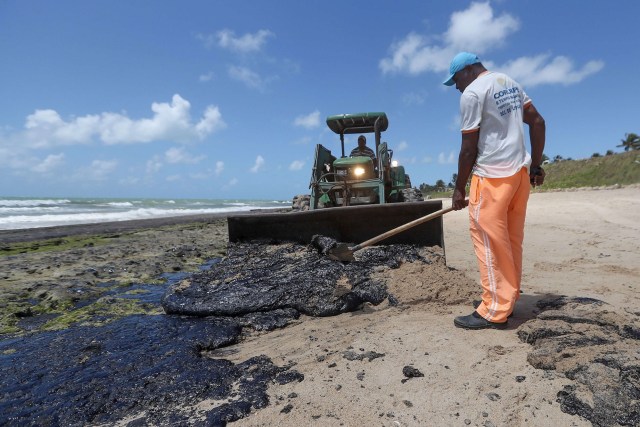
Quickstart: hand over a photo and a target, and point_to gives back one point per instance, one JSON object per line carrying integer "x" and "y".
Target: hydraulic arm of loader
{"x": 320, "y": 172}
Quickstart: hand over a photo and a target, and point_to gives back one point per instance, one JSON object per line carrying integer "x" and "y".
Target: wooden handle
{"x": 402, "y": 228}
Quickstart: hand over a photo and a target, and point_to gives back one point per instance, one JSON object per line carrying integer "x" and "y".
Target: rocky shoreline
{"x": 76, "y": 266}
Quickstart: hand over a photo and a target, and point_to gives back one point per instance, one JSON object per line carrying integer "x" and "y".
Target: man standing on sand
{"x": 493, "y": 108}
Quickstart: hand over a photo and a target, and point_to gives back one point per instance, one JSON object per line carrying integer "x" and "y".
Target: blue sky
{"x": 227, "y": 99}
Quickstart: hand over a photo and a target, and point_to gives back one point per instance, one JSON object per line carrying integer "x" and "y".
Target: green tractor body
{"x": 359, "y": 180}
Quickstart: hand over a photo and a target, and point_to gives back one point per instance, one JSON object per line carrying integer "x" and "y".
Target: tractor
{"x": 358, "y": 180}
{"x": 360, "y": 196}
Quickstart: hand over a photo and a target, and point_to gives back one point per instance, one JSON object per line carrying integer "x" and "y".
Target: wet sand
{"x": 579, "y": 244}
{"x": 43, "y": 233}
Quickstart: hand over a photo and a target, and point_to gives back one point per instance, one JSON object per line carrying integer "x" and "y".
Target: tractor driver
{"x": 363, "y": 150}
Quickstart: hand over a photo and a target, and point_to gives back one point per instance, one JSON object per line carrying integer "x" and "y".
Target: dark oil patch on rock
{"x": 147, "y": 368}
{"x": 596, "y": 348}
{"x": 262, "y": 277}
{"x": 154, "y": 369}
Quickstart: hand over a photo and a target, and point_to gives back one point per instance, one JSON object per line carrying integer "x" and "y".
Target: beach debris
{"x": 411, "y": 372}
{"x": 493, "y": 396}
{"x": 287, "y": 409}
{"x": 369, "y": 355}
{"x": 595, "y": 347}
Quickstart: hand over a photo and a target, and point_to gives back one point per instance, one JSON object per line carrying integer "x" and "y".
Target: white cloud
{"x": 200, "y": 175}
{"x": 131, "y": 180}
{"x": 245, "y": 43}
{"x": 206, "y": 77}
{"x": 211, "y": 122}
{"x": 258, "y": 165}
{"x": 427, "y": 159}
{"x": 46, "y": 128}
{"x": 477, "y": 29}
{"x": 250, "y": 78}
{"x": 154, "y": 165}
{"x": 170, "y": 122}
{"x": 51, "y": 162}
{"x": 456, "y": 123}
{"x": 309, "y": 121}
{"x": 412, "y": 55}
{"x": 406, "y": 161}
{"x": 219, "y": 168}
{"x": 540, "y": 69}
{"x": 402, "y": 146}
{"x": 99, "y": 170}
{"x": 173, "y": 178}
{"x": 296, "y": 165}
{"x": 413, "y": 98}
{"x": 209, "y": 40}
{"x": 232, "y": 183}
{"x": 179, "y": 155}
{"x": 443, "y": 159}
{"x": 302, "y": 141}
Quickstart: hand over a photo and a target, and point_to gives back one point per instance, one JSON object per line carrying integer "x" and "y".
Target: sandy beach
{"x": 580, "y": 244}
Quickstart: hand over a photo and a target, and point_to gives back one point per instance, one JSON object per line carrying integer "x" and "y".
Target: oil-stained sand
{"x": 256, "y": 277}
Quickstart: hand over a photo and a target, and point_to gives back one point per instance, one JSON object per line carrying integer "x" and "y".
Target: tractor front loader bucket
{"x": 351, "y": 224}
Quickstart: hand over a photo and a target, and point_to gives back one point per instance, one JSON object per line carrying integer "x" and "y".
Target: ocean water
{"x": 22, "y": 212}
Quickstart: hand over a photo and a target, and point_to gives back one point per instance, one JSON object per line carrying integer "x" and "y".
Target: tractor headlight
{"x": 358, "y": 171}
{"x": 394, "y": 163}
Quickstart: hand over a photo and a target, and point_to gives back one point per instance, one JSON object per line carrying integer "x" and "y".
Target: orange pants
{"x": 497, "y": 208}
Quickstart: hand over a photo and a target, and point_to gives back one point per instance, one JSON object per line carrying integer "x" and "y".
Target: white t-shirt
{"x": 494, "y": 103}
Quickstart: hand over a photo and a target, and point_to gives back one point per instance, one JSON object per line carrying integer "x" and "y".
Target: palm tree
{"x": 631, "y": 142}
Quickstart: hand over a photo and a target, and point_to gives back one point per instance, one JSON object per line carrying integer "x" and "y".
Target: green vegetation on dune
{"x": 598, "y": 171}
{"x": 622, "y": 169}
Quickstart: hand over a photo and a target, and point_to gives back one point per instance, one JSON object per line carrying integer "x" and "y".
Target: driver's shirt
{"x": 365, "y": 151}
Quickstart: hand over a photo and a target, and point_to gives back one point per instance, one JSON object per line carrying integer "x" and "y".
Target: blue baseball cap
{"x": 458, "y": 62}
